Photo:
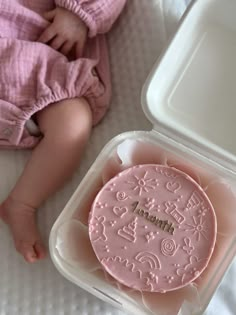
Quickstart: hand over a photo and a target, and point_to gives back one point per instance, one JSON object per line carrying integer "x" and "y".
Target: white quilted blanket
{"x": 135, "y": 44}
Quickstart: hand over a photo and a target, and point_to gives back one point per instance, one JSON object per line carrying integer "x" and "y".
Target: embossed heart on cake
{"x": 173, "y": 186}
{"x": 153, "y": 228}
{"x": 120, "y": 211}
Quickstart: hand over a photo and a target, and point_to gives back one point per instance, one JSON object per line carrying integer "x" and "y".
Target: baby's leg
{"x": 66, "y": 126}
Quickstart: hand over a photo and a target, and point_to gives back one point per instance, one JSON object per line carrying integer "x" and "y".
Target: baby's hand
{"x": 65, "y": 32}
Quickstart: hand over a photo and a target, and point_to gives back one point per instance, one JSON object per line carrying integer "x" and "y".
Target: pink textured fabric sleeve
{"x": 99, "y": 15}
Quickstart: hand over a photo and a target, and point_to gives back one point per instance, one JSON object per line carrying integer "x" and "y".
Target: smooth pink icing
{"x": 153, "y": 228}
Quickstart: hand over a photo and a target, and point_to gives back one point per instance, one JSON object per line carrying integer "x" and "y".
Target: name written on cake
{"x": 165, "y": 225}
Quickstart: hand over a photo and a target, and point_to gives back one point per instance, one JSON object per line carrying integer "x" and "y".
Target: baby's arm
{"x": 98, "y": 15}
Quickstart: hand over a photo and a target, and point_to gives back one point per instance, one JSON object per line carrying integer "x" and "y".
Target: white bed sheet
{"x": 40, "y": 289}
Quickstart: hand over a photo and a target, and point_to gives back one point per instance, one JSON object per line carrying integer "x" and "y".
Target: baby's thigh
{"x": 66, "y": 119}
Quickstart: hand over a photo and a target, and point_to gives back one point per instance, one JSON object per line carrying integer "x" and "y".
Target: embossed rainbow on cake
{"x": 153, "y": 228}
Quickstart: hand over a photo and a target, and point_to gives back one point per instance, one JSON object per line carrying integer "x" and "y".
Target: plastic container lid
{"x": 190, "y": 95}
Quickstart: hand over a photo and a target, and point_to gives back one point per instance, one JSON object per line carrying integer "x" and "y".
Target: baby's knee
{"x": 67, "y": 120}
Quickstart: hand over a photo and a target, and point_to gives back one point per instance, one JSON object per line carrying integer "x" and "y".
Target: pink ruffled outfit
{"x": 33, "y": 75}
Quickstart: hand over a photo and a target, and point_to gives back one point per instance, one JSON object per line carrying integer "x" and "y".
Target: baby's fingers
{"x": 47, "y": 35}
{"x": 50, "y": 15}
{"x": 57, "y": 42}
{"x": 79, "y": 49}
{"x": 66, "y": 48}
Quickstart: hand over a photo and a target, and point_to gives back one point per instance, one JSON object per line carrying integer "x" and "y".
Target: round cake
{"x": 153, "y": 228}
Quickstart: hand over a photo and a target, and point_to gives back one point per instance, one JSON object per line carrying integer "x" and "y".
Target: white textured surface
{"x": 39, "y": 289}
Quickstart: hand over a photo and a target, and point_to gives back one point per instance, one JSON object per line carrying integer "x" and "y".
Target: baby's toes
{"x": 27, "y": 250}
{"x": 40, "y": 250}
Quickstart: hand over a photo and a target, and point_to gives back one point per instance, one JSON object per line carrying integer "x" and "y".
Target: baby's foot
{"x": 21, "y": 220}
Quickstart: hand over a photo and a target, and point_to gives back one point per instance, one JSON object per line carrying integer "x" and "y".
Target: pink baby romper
{"x": 33, "y": 75}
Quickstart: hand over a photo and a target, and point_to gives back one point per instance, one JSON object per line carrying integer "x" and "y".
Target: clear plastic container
{"x": 190, "y": 98}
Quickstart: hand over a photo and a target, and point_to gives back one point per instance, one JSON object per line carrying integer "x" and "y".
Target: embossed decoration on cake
{"x": 153, "y": 228}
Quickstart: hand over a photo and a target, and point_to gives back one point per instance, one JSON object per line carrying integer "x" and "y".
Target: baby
{"x": 55, "y": 86}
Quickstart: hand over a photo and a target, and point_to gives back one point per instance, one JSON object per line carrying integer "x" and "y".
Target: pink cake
{"x": 153, "y": 228}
